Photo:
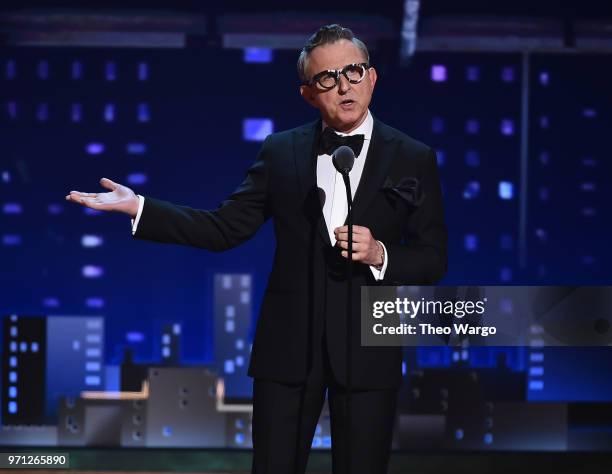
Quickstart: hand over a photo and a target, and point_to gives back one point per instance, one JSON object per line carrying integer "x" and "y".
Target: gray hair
{"x": 326, "y": 35}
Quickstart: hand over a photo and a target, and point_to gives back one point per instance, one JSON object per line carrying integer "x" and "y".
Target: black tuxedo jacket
{"x": 306, "y": 291}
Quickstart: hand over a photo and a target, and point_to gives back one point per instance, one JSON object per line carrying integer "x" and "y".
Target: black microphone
{"x": 343, "y": 159}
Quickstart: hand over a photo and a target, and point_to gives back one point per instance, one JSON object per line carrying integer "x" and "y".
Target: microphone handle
{"x": 349, "y": 332}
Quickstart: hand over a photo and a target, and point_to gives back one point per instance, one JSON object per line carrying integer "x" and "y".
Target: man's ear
{"x": 307, "y": 95}
{"x": 373, "y": 76}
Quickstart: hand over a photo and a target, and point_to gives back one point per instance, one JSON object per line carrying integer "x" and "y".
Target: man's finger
{"x": 108, "y": 184}
{"x": 357, "y": 229}
{"x": 356, "y": 256}
{"x": 81, "y": 194}
{"x": 85, "y": 201}
{"x": 343, "y": 236}
{"x": 357, "y": 246}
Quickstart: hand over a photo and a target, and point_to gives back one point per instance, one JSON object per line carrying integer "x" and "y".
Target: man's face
{"x": 345, "y": 106}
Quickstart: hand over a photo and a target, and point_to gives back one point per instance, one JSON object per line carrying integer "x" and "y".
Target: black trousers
{"x": 285, "y": 417}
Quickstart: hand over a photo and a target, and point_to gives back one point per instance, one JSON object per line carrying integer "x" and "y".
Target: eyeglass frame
{"x": 336, "y": 73}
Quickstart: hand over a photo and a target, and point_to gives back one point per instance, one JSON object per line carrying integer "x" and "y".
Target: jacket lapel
{"x": 305, "y": 142}
{"x": 379, "y": 158}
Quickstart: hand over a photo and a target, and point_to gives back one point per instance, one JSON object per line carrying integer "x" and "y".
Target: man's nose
{"x": 343, "y": 84}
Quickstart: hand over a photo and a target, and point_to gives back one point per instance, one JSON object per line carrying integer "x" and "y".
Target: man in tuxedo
{"x": 299, "y": 348}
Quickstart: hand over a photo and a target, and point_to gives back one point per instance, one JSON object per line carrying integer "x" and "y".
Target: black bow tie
{"x": 330, "y": 141}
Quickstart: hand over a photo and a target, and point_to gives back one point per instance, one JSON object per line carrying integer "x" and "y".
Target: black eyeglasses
{"x": 329, "y": 78}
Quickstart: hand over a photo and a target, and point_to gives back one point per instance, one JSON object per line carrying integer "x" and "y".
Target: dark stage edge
{"x": 239, "y": 461}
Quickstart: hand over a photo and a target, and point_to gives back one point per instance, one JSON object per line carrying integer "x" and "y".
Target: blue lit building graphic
{"x": 75, "y": 359}
{"x": 233, "y": 296}
{"x": 23, "y": 370}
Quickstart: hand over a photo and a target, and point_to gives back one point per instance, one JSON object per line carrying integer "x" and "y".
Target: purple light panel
{"x": 438, "y": 73}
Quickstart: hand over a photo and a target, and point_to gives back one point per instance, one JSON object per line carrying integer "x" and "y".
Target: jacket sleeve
{"x": 422, "y": 257}
{"x": 233, "y": 222}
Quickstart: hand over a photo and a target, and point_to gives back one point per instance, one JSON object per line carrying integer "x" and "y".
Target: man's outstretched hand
{"x": 120, "y": 199}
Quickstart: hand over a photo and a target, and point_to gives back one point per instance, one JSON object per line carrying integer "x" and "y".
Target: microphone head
{"x": 343, "y": 159}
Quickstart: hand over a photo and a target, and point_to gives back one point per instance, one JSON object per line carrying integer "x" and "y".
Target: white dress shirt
{"x": 329, "y": 180}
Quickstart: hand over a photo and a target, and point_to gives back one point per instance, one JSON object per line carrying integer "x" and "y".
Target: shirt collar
{"x": 365, "y": 128}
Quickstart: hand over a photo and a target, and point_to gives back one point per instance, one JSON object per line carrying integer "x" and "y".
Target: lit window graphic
{"x": 438, "y": 73}
{"x": 256, "y": 129}
{"x": 472, "y": 127}
{"x": 110, "y": 71}
{"x": 42, "y": 112}
{"x": 143, "y": 71}
{"x": 472, "y": 158}
{"x": 11, "y": 240}
{"x": 507, "y": 127}
{"x": 143, "y": 112}
{"x": 109, "y": 112}
{"x": 257, "y": 55}
{"x": 76, "y": 70}
{"x": 471, "y": 190}
{"x": 11, "y": 69}
{"x": 472, "y": 73}
{"x": 92, "y": 380}
{"x": 505, "y": 274}
{"x": 76, "y": 112}
{"x": 42, "y": 70}
{"x": 136, "y": 148}
{"x": 94, "y": 302}
{"x": 93, "y": 352}
{"x": 11, "y": 109}
{"x": 90, "y": 241}
{"x": 470, "y": 242}
{"x": 134, "y": 336}
{"x": 93, "y": 366}
{"x": 506, "y": 190}
{"x": 54, "y": 209}
{"x": 137, "y": 178}
{"x": 94, "y": 148}
{"x": 437, "y": 125}
{"x": 12, "y": 208}
{"x": 589, "y": 113}
{"x": 506, "y": 242}
{"x": 92, "y": 271}
{"x": 507, "y": 74}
